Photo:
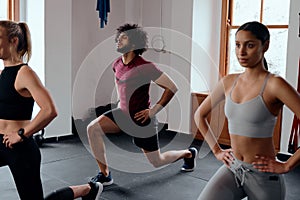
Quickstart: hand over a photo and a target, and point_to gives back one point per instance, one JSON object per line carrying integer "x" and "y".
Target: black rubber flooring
{"x": 67, "y": 161}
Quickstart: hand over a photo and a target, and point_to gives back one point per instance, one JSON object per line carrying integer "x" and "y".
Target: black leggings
{"x": 24, "y": 161}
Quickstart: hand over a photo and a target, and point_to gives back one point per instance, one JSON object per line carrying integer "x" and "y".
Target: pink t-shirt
{"x": 133, "y": 82}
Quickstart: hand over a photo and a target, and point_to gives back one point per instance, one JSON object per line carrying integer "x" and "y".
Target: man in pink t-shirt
{"x": 134, "y": 115}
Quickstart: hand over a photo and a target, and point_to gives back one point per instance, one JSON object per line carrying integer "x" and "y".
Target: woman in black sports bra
{"x": 20, "y": 87}
{"x": 253, "y": 99}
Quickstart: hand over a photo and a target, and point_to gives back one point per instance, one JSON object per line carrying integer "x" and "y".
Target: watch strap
{"x": 21, "y": 132}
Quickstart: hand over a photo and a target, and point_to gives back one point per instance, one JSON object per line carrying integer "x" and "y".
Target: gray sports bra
{"x": 251, "y": 118}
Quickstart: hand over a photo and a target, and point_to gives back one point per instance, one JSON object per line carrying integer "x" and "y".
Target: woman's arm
{"x": 28, "y": 84}
{"x": 291, "y": 98}
{"x": 267, "y": 164}
{"x": 200, "y": 117}
{"x": 286, "y": 94}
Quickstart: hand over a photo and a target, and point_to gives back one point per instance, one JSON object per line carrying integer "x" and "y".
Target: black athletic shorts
{"x": 144, "y": 135}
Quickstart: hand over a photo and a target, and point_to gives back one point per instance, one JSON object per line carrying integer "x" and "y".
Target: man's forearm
{"x": 164, "y": 100}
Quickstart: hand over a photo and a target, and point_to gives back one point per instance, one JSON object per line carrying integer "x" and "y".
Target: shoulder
{"x": 278, "y": 84}
{"x": 145, "y": 64}
{"x": 229, "y": 79}
{"x": 141, "y": 61}
{"x": 117, "y": 61}
{"x": 27, "y": 74}
{"x": 25, "y": 69}
{"x": 274, "y": 78}
{"x": 275, "y": 82}
{"x": 280, "y": 89}
{"x": 116, "y": 64}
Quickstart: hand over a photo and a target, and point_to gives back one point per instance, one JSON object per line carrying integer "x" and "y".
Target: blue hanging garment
{"x": 103, "y": 6}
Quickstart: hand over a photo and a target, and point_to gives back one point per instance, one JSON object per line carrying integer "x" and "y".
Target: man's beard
{"x": 125, "y": 49}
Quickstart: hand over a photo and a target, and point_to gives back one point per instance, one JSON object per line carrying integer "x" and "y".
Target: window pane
{"x": 276, "y": 12}
{"x": 275, "y": 56}
{"x": 3, "y": 9}
{"x": 245, "y": 10}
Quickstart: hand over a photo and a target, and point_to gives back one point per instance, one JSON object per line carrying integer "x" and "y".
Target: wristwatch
{"x": 21, "y": 132}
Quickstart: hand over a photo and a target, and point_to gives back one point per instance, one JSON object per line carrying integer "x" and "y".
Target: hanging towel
{"x": 103, "y": 6}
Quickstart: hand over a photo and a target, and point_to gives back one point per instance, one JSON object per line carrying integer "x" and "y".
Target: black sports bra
{"x": 13, "y": 106}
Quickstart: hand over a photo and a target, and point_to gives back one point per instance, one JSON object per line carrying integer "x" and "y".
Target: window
{"x": 3, "y": 9}
{"x": 273, "y": 13}
{"x": 9, "y": 9}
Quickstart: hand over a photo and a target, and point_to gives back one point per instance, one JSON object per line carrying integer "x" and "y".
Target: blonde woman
{"x": 20, "y": 87}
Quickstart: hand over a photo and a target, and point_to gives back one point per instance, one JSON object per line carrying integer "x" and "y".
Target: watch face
{"x": 21, "y": 131}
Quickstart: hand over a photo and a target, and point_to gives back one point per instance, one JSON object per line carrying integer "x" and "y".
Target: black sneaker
{"x": 104, "y": 180}
{"x": 95, "y": 192}
{"x": 190, "y": 163}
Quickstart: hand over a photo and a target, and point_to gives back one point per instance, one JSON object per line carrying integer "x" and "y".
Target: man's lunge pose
{"x": 134, "y": 115}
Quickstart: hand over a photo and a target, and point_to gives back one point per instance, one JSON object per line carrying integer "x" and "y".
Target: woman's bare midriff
{"x": 245, "y": 148}
{"x": 11, "y": 126}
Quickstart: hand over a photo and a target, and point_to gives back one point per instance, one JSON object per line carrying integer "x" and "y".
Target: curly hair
{"x": 136, "y": 35}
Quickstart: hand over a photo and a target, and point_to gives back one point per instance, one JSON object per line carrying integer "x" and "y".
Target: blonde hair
{"x": 21, "y": 31}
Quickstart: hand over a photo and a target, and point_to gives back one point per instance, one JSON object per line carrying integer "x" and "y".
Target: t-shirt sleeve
{"x": 151, "y": 71}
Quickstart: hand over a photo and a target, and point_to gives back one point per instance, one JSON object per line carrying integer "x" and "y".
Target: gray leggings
{"x": 242, "y": 180}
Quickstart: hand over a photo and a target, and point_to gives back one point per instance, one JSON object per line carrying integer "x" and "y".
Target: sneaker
{"x": 190, "y": 163}
{"x": 96, "y": 190}
{"x": 104, "y": 180}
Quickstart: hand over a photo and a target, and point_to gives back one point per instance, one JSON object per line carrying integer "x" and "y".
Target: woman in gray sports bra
{"x": 253, "y": 100}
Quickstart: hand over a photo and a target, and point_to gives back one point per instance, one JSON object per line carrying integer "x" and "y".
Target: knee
{"x": 93, "y": 128}
{"x": 90, "y": 129}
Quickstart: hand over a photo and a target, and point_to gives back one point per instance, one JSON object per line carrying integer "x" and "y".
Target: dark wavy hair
{"x": 259, "y": 30}
{"x": 136, "y": 35}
